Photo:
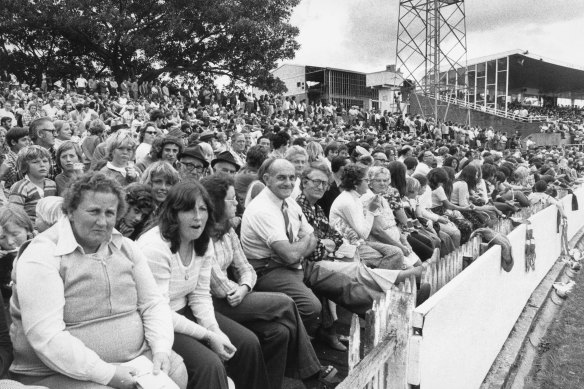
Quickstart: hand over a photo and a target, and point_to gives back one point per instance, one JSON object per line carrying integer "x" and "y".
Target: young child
{"x": 15, "y": 229}
{"x": 33, "y": 162}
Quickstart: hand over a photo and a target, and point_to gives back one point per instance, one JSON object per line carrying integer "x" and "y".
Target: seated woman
{"x": 180, "y": 254}
{"x": 396, "y": 196}
{"x": 120, "y": 148}
{"x": 539, "y": 195}
{"x": 273, "y": 317}
{"x": 140, "y": 206}
{"x": 463, "y": 189}
{"x": 69, "y": 162}
{"x": 34, "y": 163}
{"x": 64, "y": 334}
{"x": 385, "y": 228}
{"x": 350, "y": 217}
{"x": 445, "y": 226}
{"x": 441, "y": 205}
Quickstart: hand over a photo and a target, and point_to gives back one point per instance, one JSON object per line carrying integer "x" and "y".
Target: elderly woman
{"x": 120, "y": 148}
{"x": 385, "y": 229}
{"x": 69, "y": 162}
{"x": 180, "y": 254}
{"x": 299, "y": 158}
{"x": 354, "y": 220}
{"x": 66, "y": 335}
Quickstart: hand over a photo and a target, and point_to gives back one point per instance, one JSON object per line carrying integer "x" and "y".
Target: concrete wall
{"x": 424, "y": 106}
{"x": 465, "y": 324}
{"x": 294, "y": 76}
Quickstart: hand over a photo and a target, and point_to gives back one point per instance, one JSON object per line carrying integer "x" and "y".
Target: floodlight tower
{"x": 431, "y": 48}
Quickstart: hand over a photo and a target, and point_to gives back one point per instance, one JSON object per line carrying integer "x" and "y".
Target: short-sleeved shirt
{"x": 438, "y": 197}
{"x": 263, "y": 224}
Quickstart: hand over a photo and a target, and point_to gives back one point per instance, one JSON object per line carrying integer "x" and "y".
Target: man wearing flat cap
{"x": 192, "y": 164}
{"x": 225, "y": 163}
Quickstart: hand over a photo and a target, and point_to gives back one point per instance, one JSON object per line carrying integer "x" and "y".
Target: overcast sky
{"x": 361, "y": 34}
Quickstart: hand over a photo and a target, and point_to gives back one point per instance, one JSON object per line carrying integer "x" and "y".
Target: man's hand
{"x": 236, "y": 296}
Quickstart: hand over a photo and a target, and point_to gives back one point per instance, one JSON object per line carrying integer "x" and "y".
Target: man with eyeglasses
{"x": 379, "y": 158}
{"x": 42, "y": 133}
{"x": 192, "y": 164}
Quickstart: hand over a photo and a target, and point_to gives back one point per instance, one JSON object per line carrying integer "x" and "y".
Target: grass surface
{"x": 560, "y": 363}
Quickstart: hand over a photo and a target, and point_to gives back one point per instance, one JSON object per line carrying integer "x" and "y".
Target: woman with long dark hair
{"x": 180, "y": 254}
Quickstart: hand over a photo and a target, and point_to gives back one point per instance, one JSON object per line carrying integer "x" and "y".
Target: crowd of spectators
{"x": 215, "y": 232}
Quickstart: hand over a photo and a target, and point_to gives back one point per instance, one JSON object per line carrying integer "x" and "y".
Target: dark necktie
{"x": 287, "y": 225}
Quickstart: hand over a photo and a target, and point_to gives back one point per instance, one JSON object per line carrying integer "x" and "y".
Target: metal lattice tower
{"x": 431, "y": 47}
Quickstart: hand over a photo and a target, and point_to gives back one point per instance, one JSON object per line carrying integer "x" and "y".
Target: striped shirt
{"x": 228, "y": 253}
{"x": 26, "y": 194}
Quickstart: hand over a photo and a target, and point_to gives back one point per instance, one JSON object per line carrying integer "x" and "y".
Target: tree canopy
{"x": 242, "y": 39}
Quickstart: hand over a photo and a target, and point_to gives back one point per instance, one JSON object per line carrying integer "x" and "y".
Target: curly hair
{"x": 165, "y": 141}
{"x": 140, "y": 196}
{"x": 94, "y": 182}
{"x": 352, "y": 176}
{"x": 182, "y": 198}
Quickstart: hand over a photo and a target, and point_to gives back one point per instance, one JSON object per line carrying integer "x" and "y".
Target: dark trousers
{"x": 291, "y": 283}
{"x": 274, "y": 318}
{"x": 206, "y": 371}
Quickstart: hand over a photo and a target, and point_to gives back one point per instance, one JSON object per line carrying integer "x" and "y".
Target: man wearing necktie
{"x": 276, "y": 237}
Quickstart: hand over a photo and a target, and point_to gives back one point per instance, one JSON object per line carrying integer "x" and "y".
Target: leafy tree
{"x": 242, "y": 39}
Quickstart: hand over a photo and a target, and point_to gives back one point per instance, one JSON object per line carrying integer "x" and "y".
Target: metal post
{"x": 506, "y": 86}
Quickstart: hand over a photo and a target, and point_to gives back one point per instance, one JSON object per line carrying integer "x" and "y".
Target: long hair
{"x": 469, "y": 174}
{"x": 183, "y": 197}
{"x": 398, "y": 176}
{"x": 217, "y": 186}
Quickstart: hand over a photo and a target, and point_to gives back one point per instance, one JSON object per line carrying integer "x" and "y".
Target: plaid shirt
{"x": 11, "y": 175}
{"x": 322, "y": 229}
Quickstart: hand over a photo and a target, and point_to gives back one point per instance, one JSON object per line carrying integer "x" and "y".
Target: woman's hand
{"x": 161, "y": 362}
{"x": 221, "y": 345}
{"x": 123, "y": 378}
{"x": 236, "y": 296}
{"x": 328, "y": 244}
{"x": 374, "y": 204}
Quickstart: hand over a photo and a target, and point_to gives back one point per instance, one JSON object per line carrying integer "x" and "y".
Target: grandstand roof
{"x": 548, "y": 76}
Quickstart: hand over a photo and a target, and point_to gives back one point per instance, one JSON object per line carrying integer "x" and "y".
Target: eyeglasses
{"x": 231, "y": 201}
{"x": 51, "y": 131}
{"x": 151, "y": 132}
{"x": 191, "y": 166}
{"x": 380, "y": 181}
{"x": 318, "y": 183}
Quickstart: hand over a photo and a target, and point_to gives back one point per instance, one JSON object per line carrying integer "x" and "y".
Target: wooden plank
{"x": 402, "y": 306}
{"x": 414, "y": 354}
{"x": 354, "y": 343}
{"x": 364, "y": 371}
{"x": 371, "y": 322}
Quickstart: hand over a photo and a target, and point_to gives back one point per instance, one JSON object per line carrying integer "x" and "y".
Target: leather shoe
{"x": 331, "y": 340}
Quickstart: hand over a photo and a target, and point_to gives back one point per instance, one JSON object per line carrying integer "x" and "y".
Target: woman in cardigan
{"x": 180, "y": 254}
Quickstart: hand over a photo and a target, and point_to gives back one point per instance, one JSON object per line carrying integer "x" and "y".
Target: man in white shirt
{"x": 81, "y": 84}
{"x": 276, "y": 236}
